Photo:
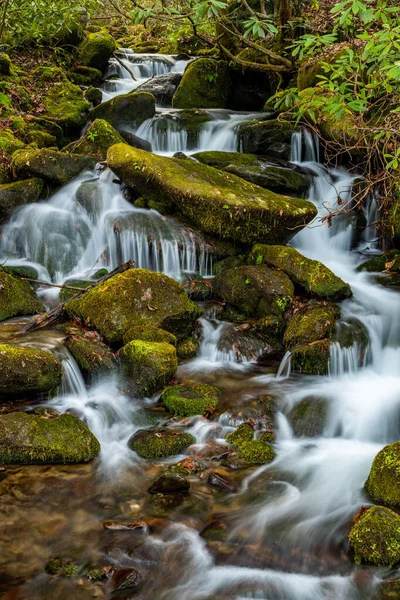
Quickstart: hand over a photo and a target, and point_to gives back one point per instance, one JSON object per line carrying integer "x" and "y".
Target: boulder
{"x": 66, "y": 293}
{"x": 56, "y": 167}
{"x": 383, "y": 483}
{"x": 27, "y": 371}
{"x": 136, "y": 298}
{"x": 229, "y": 263}
{"x": 271, "y": 138}
{"x": 43, "y": 439}
{"x": 189, "y": 400}
{"x": 257, "y": 291}
{"x": 250, "y": 451}
{"x": 218, "y": 203}
{"x": 99, "y": 137}
{"x": 374, "y": 537}
{"x": 135, "y": 141}
{"x": 148, "y": 333}
{"x": 17, "y": 194}
{"x": 205, "y": 84}
{"x": 66, "y": 104}
{"x": 93, "y": 95}
{"x": 92, "y": 355}
{"x": 349, "y": 332}
{"x": 17, "y": 298}
{"x": 247, "y": 342}
{"x": 9, "y": 143}
{"x": 311, "y": 323}
{"x": 379, "y": 263}
{"x": 126, "y": 110}
{"x": 146, "y": 367}
{"x": 312, "y": 358}
{"x": 310, "y": 275}
{"x": 96, "y": 50}
{"x": 162, "y": 87}
{"x": 87, "y": 76}
{"x": 308, "y": 417}
{"x": 188, "y": 348}
{"x": 243, "y": 433}
{"x": 160, "y": 443}
{"x": 197, "y": 288}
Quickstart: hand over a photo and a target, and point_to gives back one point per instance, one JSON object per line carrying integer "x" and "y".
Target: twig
{"x": 124, "y": 66}
{"x": 63, "y": 286}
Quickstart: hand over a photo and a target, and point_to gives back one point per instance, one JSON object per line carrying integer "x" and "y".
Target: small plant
{"x": 92, "y": 135}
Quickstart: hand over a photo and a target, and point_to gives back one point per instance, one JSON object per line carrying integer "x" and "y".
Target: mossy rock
{"x": 62, "y": 568}
{"x": 17, "y": 194}
{"x": 44, "y": 124}
{"x": 5, "y": 176}
{"x": 205, "y": 84}
{"x": 82, "y": 75}
{"x": 374, "y": 537}
{"x": 351, "y": 331}
{"x": 313, "y": 358}
{"x": 66, "y": 103}
{"x": 93, "y": 95}
{"x": 271, "y": 137}
{"x": 309, "y": 324}
{"x": 146, "y": 367}
{"x": 21, "y": 271}
{"x": 96, "y": 50}
{"x": 126, "y": 110}
{"x": 9, "y": 143}
{"x": 243, "y": 433}
{"x": 162, "y": 87}
{"x": 197, "y": 288}
{"x": 311, "y": 275}
{"x": 147, "y": 333}
{"x": 188, "y": 348}
{"x": 378, "y": 263}
{"x": 190, "y": 400}
{"x": 5, "y": 64}
{"x": 136, "y": 298}
{"x": 27, "y": 371}
{"x": 97, "y": 140}
{"x": 389, "y": 590}
{"x": 92, "y": 355}
{"x": 17, "y": 298}
{"x": 160, "y": 443}
{"x": 46, "y": 74}
{"x": 257, "y": 291}
{"x": 250, "y": 451}
{"x": 34, "y": 439}
{"x": 308, "y": 417}
{"x": 42, "y": 139}
{"x": 53, "y": 166}
{"x": 66, "y": 293}
{"x": 229, "y": 263}
{"x": 383, "y": 483}
{"x": 388, "y": 280}
{"x": 218, "y": 203}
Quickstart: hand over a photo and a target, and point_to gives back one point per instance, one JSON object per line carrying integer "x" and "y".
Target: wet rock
{"x": 311, "y": 275}
{"x": 136, "y": 298}
{"x": 313, "y": 358}
{"x": 162, "y": 87}
{"x": 21, "y": 271}
{"x": 149, "y": 334}
{"x": 205, "y": 84}
{"x": 189, "y": 400}
{"x": 351, "y": 331}
{"x": 247, "y": 342}
{"x": 388, "y": 280}
{"x": 135, "y": 141}
{"x": 57, "y": 167}
{"x": 264, "y": 137}
{"x": 311, "y": 323}
{"x": 196, "y": 286}
{"x": 389, "y": 590}
{"x": 169, "y": 483}
{"x": 229, "y": 263}
{"x": 86, "y": 76}
{"x": 17, "y": 194}
{"x": 160, "y": 443}
{"x": 92, "y": 355}
{"x": 62, "y": 568}
{"x": 96, "y": 50}
{"x": 188, "y": 348}
{"x": 127, "y": 580}
{"x": 243, "y": 433}
{"x": 308, "y": 417}
{"x": 126, "y": 110}
{"x": 97, "y": 140}
{"x": 66, "y": 104}
{"x": 93, "y": 95}
{"x": 256, "y": 452}
{"x": 135, "y": 525}
{"x": 221, "y": 482}
{"x": 383, "y": 483}
{"x": 66, "y": 293}
{"x": 374, "y": 537}
{"x": 218, "y": 203}
{"x": 257, "y": 290}
{"x": 99, "y": 573}
{"x": 37, "y": 439}
{"x": 145, "y": 367}
{"x": 378, "y": 263}
{"x": 17, "y": 298}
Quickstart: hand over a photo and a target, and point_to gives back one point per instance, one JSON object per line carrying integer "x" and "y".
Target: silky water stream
{"x": 279, "y": 532}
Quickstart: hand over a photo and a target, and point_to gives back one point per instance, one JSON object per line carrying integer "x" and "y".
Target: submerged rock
{"x": 17, "y": 194}
{"x": 34, "y": 439}
{"x": 162, "y": 87}
{"x": 205, "y": 84}
{"x": 56, "y": 167}
{"x": 126, "y": 110}
{"x": 17, "y": 298}
{"x": 97, "y": 140}
{"x": 62, "y": 568}
{"x": 218, "y": 203}
{"x": 160, "y": 443}
{"x": 189, "y": 400}
{"x": 383, "y": 483}
{"x": 96, "y": 50}
{"x": 312, "y": 358}
{"x": 169, "y": 483}
{"x": 374, "y": 537}
{"x": 311, "y": 323}
{"x": 308, "y": 417}
{"x": 311, "y": 275}
{"x": 136, "y": 298}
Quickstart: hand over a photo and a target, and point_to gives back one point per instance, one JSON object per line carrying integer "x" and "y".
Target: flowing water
{"x": 279, "y": 532}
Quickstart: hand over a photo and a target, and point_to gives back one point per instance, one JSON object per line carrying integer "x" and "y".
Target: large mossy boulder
{"x": 45, "y": 439}
{"x": 92, "y": 355}
{"x": 136, "y": 298}
{"x": 267, "y": 137}
{"x": 310, "y": 275}
{"x": 126, "y": 110}
{"x": 96, "y": 50}
{"x": 205, "y": 84}
{"x": 219, "y": 203}
{"x": 67, "y": 105}
{"x": 257, "y": 291}
{"x": 313, "y": 358}
{"x": 17, "y": 298}
{"x": 27, "y": 372}
{"x": 374, "y": 537}
{"x": 160, "y": 443}
{"x": 189, "y": 400}
{"x": 146, "y": 367}
{"x": 311, "y": 323}
{"x": 99, "y": 137}
{"x": 56, "y": 167}
{"x": 17, "y": 194}
{"x": 308, "y": 417}
{"x": 383, "y": 483}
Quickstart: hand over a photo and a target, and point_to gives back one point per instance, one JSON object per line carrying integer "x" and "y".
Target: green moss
{"x": 126, "y": 110}
{"x": 136, "y": 298}
{"x": 16, "y": 298}
{"x": 310, "y": 324}
{"x": 243, "y": 433}
{"x": 311, "y": 275}
{"x": 218, "y": 203}
{"x": 262, "y": 137}
{"x": 375, "y": 537}
{"x": 32, "y": 439}
{"x": 161, "y": 443}
{"x": 9, "y": 143}
{"x": 256, "y": 452}
{"x": 98, "y": 139}
{"x": 66, "y": 103}
{"x": 149, "y": 334}
{"x": 220, "y": 160}
{"x": 18, "y": 193}
{"x": 66, "y": 294}
{"x": 388, "y": 280}
{"x": 21, "y": 271}
{"x": 313, "y": 358}
{"x": 378, "y": 263}
{"x": 351, "y": 331}
{"x": 96, "y": 50}
{"x": 188, "y": 348}
{"x": 93, "y": 95}
{"x": 61, "y": 568}
{"x": 5, "y": 64}
{"x": 49, "y": 75}
{"x": 56, "y": 167}
{"x": 82, "y": 75}
{"x": 42, "y": 139}
{"x": 96, "y": 574}
{"x": 229, "y": 263}
{"x": 308, "y": 417}
{"x": 383, "y": 483}
{"x": 205, "y": 84}
{"x": 100, "y": 273}
{"x": 93, "y": 357}
{"x": 189, "y": 400}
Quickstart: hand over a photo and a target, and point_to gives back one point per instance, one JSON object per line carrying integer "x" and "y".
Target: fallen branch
{"x": 123, "y": 65}
{"x": 57, "y": 285}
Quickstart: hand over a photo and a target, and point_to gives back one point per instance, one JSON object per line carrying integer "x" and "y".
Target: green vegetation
{"x": 17, "y": 298}
{"x": 375, "y": 537}
{"x": 250, "y": 451}
{"x": 189, "y": 400}
{"x": 383, "y": 483}
{"x": 160, "y": 443}
{"x": 27, "y": 371}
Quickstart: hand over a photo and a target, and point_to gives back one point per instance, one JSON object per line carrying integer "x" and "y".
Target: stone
{"x": 126, "y": 110}
{"x": 66, "y": 104}
{"x": 88, "y": 76}
{"x": 374, "y": 537}
{"x": 99, "y": 137}
{"x": 189, "y": 400}
{"x": 308, "y": 417}
{"x": 93, "y": 95}
{"x": 169, "y": 483}
{"x": 205, "y": 84}
{"x": 162, "y": 87}
{"x": 92, "y": 355}
{"x": 250, "y": 451}
{"x": 196, "y": 286}
{"x": 160, "y": 443}
{"x": 96, "y": 50}
{"x": 56, "y": 167}
{"x": 149, "y": 334}
{"x": 188, "y": 348}
{"x": 17, "y": 194}
{"x": 312, "y": 359}
{"x": 383, "y": 483}
{"x": 263, "y": 137}
{"x": 378, "y": 263}
{"x": 311, "y": 323}
{"x": 17, "y": 298}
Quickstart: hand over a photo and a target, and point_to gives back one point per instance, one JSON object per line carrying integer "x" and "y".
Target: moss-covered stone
{"x": 93, "y": 95}
{"x": 378, "y": 263}
{"x": 91, "y": 354}
{"x": 229, "y": 263}
{"x": 61, "y": 568}
{"x": 66, "y": 293}
{"x": 44, "y": 124}
{"x": 389, "y": 590}
{"x": 351, "y": 331}
{"x": 66, "y": 103}
{"x": 148, "y": 333}
{"x": 34, "y": 439}
{"x": 251, "y": 452}
{"x": 388, "y": 280}
{"x": 98, "y": 139}
{"x": 266, "y": 137}
{"x": 160, "y": 443}
{"x": 375, "y": 537}
{"x": 197, "y": 288}
{"x": 21, "y": 271}
{"x": 42, "y": 139}
{"x": 311, "y": 275}
{"x": 383, "y": 483}
{"x": 56, "y": 167}
{"x": 313, "y": 358}
{"x": 189, "y": 400}
{"x": 18, "y": 193}
{"x": 205, "y": 84}
{"x": 82, "y": 75}
{"x": 126, "y": 110}
{"x": 5, "y": 64}
{"x": 243, "y": 433}
{"x": 136, "y": 298}
{"x": 96, "y": 50}
{"x": 218, "y": 203}
{"x": 310, "y": 324}
{"x": 9, "y": 143}
{"x": 147, "y": 366}
{"x": 16, "y": 298}
{"x": 257, "y": 291}
{"x": 308, "y": 417}
{"x": 188, "y": 348}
